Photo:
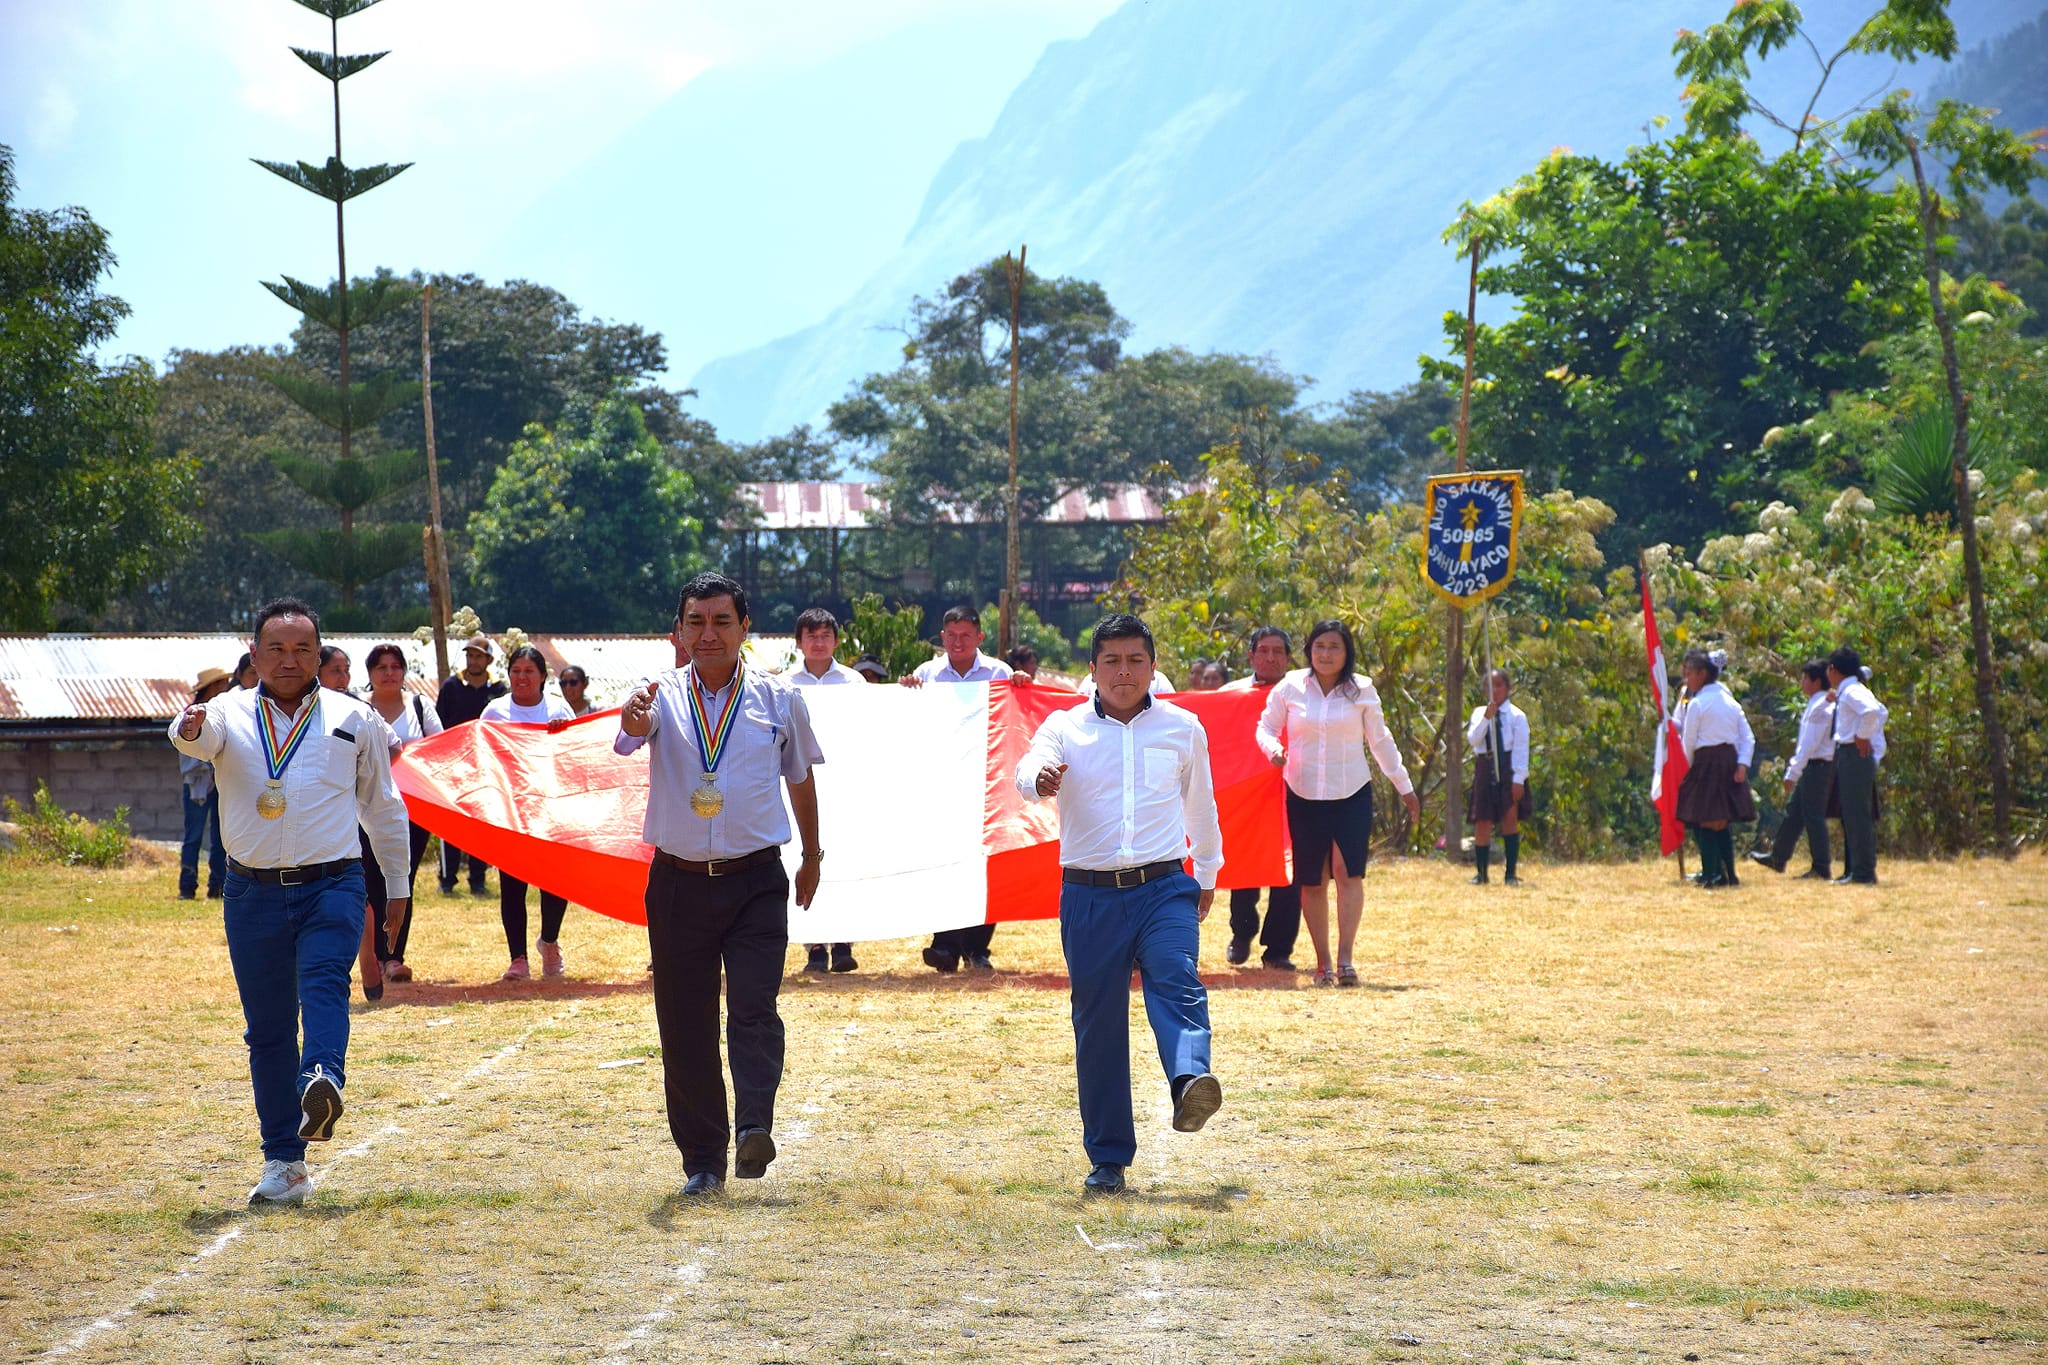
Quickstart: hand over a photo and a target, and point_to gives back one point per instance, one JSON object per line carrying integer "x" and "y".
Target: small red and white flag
{"x": 1667, "y": 764}
{"x": 922, "y": 824}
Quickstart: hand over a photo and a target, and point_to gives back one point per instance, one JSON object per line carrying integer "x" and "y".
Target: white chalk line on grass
{"x": 153, "y": 1290}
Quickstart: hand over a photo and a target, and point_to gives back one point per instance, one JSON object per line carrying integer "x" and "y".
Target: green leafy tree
{"x": 1054, "y": 649}
{"x": 2011, "y": 249}
{"x": 347, "y": 402}
{"x": 1384, "y": 444}
{"x": 892, "y": 635}
{"x": 587, "y": 526}
{"x": 89, "y": 507}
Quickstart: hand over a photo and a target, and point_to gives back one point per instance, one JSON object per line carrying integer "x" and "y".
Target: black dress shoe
{"x": 842, "y": 958}
{"x": 941, "y": 960}
{"x": 1240, "y": 951}
{"x": 1763, "y": 858}
{"x": 1511, "y": 880}
{"x": 751, "y": 1157}
{"x": 1104, "y": 1179}
{"x": 816, "y": 961}
{"x": 1199, "y": 1097}
{"x": 980, "y": 962}
{"x": 213, "y": 893}
{"x": 703, "y": 1184}
{"x": 1278, "y": 964}
{"x": 1814, "y": 874}
{"x": 1839, "y": 881}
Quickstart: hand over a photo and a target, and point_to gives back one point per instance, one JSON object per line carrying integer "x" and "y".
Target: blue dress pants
{"x": 1105, "y": 932}
{"x": 202, "y": 824}
{"x": 292, "y": 949}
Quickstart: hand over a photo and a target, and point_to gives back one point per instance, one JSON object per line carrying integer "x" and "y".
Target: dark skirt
{"x": 1488, "y": 800}
{"x": 1312, "y": 826}
{"x": 1710, "y": 792}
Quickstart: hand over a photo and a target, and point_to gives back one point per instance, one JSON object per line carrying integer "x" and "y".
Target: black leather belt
{"x": 1120, "y": 877}
{"x": 720, "y": 867}
{"x": 294, "y": 876}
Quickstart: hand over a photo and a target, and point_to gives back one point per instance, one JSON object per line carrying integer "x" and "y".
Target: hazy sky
{"x": 146, "y": 113}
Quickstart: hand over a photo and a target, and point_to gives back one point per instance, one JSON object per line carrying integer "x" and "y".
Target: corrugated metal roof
{"x": 855, "y": 506}
{"x": 150, "y": 677}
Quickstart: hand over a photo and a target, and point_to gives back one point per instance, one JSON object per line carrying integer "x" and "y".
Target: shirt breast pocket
{"x": 334, "y": 761}
{"x": 1162, "y": 770}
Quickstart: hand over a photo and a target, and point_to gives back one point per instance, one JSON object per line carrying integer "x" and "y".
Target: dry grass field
{"x": 1598, "y": 1118}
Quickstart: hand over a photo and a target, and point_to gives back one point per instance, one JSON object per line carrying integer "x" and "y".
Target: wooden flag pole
{"x": 1006, "y": 629}
{"x": 1454, "y": 626}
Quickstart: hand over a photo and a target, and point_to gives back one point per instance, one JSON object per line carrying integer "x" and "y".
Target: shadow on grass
{"x": 934, "y": 982}
{"x": 436, "y": 994}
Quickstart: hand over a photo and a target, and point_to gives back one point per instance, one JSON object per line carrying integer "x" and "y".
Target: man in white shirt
{"x": 298, "y": 769}
{"x": 725, "y": 742}
{"x": 1859, "y": 744}
{"x": 1271, "y": 655}
{"x": 960, "y": 637}
{"x": 1131, "y": 774}
{"x": 1808, "y": 779}
{"x": 817, "y": 640}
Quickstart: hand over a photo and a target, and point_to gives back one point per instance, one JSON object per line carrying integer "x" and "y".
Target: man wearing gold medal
{"x": 724, "y": 740}
{"x": 298, "y": 769}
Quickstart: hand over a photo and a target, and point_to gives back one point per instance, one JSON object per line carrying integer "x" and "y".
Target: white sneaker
{"x": 517, "y": 971}
{"x": 550, "y": 958}
{"x": 283, "y": 1182}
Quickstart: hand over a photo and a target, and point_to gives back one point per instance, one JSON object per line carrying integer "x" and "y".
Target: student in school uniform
{"x": 1718, "y": 748}
{"x": 1809, "y": 779}
{"x": 1499, "y": 794}
{"x": 1859, "y": 747}
{"x": 817, "y": 640}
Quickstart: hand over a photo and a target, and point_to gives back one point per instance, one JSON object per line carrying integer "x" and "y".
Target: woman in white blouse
{"x": 526, "y": 671}
{"x": 409, "y": 719}
{"x": 1718, "y": 747}
{"x": 1318, "y": 723}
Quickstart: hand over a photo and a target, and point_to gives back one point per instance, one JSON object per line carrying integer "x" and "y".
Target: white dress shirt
{"x": 770, "y": 742}
{"x": 1325, "y": 736}
{"x": 339, "y": 778}
{"x": 835, "y": 672}
{"x": 940, "y": 669}
{"x": 416, "y": 720}
{"x": 1713, "y": 716}
{"x": 1859, "y": 715}
{"x": 1816, "y": 735}
{"x": 548, "y": 708}
{"x": 1514, "y": 733}
{"x": 1132, "y": 794}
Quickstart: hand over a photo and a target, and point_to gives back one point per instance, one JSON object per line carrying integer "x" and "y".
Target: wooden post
{"x": 436, "y": 544}
{"x": 1006, "y": 631}
{"x": 1454, "y": 627}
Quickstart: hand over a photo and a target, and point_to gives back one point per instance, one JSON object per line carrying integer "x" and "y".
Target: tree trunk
{"x": 1966, "y": 518}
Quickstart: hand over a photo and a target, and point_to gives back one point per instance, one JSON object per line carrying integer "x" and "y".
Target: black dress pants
{"x": 373, "y": 882}
{"x": 964, "y": 943}
{"x": 1856, "y": 776}
{"x": 1283, "y": 919}
{"x": 695, "y": 925}
{"x": 1807, "y": 813}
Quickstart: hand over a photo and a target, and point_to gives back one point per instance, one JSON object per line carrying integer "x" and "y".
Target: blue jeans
{"x": 1105, "y": 932}
{"x": 292, "y": 949}
{"x": 202, "y": 822}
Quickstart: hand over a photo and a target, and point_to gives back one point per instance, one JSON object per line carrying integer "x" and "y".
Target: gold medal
{"x": 270, "y": 801}
{"x": 707, "y": 800}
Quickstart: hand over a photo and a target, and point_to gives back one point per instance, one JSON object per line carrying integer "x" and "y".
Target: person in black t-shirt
{"x": 462, "y": 699}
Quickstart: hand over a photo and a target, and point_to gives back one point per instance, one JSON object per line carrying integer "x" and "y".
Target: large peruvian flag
{"x": 922, "y": 825}
{"x": 1668, "y": 765}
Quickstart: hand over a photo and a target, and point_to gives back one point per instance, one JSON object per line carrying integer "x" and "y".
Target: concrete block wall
{"x": 95, "y": 777}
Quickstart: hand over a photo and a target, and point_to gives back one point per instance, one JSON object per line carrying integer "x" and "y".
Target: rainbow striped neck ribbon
{"x": 711, "y": 735}
{"x": 278, "y": 753}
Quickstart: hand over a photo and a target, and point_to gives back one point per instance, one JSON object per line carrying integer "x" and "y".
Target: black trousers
{"x": 695, "y": 925}
{"x": 1856, "y": 776}
{"x": 1806, "y": 814}
{"x": 373, "y": 882}
{"x": 975, "y": 938}
{"x": 451, "y": 868}
{"x": 1283, "y": 919}
{"x": 512, "y": 910}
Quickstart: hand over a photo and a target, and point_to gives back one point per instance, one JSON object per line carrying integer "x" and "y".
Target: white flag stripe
{"x": 902, "y": 796}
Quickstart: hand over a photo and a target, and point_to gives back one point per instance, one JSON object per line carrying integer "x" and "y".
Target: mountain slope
{"x": 1267, "y": 178}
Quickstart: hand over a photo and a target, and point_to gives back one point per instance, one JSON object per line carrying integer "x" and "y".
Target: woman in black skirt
{"x": 1500, "y": 786}
{"x": 1318, "y": 724}
{"x": 1718, "y": 747}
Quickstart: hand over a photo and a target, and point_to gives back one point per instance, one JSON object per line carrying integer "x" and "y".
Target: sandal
{"x": 1325, "y": 977}
{"x": 1347, "y": 975}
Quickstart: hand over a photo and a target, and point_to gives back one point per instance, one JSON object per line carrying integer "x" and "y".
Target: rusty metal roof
{"x": 855, "y": 506}
{"x": 150, "y": 677}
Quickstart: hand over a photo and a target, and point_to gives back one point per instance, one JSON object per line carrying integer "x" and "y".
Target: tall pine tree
{"x": 358, "y": 473}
